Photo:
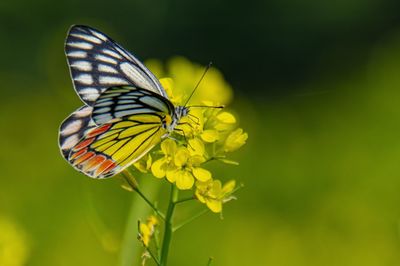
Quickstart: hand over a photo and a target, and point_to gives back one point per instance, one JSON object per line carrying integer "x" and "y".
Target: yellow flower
{"x": 235, "y": 140}
{"x": 146, "y": 230}
{"x": 165, "y": 164}
{"x": 213, "y": 194}
{"x": 208, "y": 124}
{"x": 187, "y": 169}
{"x": 181, "y": 165}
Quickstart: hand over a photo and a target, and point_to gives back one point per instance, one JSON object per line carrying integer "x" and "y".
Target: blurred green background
{"x": 316, "y": 86}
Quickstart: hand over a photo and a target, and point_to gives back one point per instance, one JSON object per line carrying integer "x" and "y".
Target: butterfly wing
{"x": 97, "y": 62}
{"x": 106, "y": 150}
{"x": 73, "y": 128}
{"x": 118, "y": 102}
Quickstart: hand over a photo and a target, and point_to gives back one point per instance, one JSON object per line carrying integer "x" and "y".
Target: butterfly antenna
{"x": 198, "y": 83}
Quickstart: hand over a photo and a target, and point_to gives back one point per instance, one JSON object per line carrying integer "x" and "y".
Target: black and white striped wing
{"x": 97, "y": 62}
{"x": 73, "y": 128}
{"x": 123, "y": 101}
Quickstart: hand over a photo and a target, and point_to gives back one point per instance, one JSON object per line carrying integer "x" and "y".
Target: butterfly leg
{"x": 192, "y": 118}
{"x": 184, "y": 136}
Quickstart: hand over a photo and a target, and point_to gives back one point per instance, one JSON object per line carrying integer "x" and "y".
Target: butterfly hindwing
{"x": 117, "y": 102}
{"x": 73, "y": 128}
{"x": 106, "y": 150}
{"x": 97, "y": 62}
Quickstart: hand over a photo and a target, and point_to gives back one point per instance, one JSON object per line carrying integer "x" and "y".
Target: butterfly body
{"x": 127, "y": 111}
{"x": 179, "y": 112}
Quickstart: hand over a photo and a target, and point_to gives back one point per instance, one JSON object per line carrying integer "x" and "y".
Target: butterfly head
{"x": 171, "y": 122}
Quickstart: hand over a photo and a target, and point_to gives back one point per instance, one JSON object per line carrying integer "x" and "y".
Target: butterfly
{"x": 126, "y": 113}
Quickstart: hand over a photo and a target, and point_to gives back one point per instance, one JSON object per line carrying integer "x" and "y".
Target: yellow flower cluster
{"x": 146, "y": 230}
{"x": 206, "y": 134}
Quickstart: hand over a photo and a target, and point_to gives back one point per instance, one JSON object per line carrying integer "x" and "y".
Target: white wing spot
{"x": 104, "y": 80}
{"x": 106, "y": 68}
{"x": 99, "y": 35}
{"x": 71, "y": 128}
{"x": 102, "y": 110}
{"x": 84, "y": 79}
{"x": 103, "y": 118}
{"x": 89, "y": 90}
{"x": 82, "y": 65}
{"x": 127, "y": 106}
{"x": 87, "y": 38}
{"x": 70, "y": 142}
{"x": 129, "y": 112}
{"x": 85, "y": 111}
{"x": 102, "y": 104}
{"x": 123, "y": 113}
{"x": 77, "y": 54}
{"x": 124, "y": 102}
{"x": 124, "y": 53}
{"x": 106, "y": 59}
{"x": 136, "y": 76}
{"x": 90, "y": 97}
{"x": 127, "y": 97}
{"x": 81, "y": 45}
{"x": 155, "y": 102}
{"x": 112, "y": 53}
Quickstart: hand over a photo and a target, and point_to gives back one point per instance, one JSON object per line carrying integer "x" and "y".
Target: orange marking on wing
{"x": 77, "y": 154}
{"x": 84, "y": 158}
{"x": 106, "y": 165}
{"x": 98, "y": 130}
{"x": 108, "y": 169}
{"x": 93, "y": 162}
{"x": 83, "y": 144}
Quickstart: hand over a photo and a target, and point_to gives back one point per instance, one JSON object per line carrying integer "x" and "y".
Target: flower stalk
{"x": 168, "y": 225}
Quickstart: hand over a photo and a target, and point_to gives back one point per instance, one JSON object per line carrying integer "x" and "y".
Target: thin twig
{"x": 135, "y": 187}
{"x": 185, "y": 199}
{"x": 190, "y": 219}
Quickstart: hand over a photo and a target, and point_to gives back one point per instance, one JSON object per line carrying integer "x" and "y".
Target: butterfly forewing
{"x": 118, "y": 102}
{"x": 97, "y": 62}
{"x": 106, "y": 150}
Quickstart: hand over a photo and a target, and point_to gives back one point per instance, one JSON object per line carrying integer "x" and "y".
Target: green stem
{"x": 194, "y": 217}
{"x": 185, "y": 199}
{"x": 152, "y": 255}
{"x": 210, "y": 261}
{"x": 168, "y": 226}
{"x": 134, "y": 186}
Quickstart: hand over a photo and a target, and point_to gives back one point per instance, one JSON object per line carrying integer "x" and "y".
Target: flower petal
{"x": 196, "y": 147}
{"x": 184, "y": 180}
{"x": 235, "y": 140}
{"x": 158, "y": 168}
{"x": 201, "y": 174}
{"x": 181, "y": 157}
{"x": 226, "y": 117}
{"x": 199, "y": 196}
{"x": 171, "y": 175}
{"x": 214, "y": 205}
{"x": 228, "y": 187}
{"x": 168, "y": 147}
{"x": 196, "y": 160}
{"x": 209, "y": 135}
